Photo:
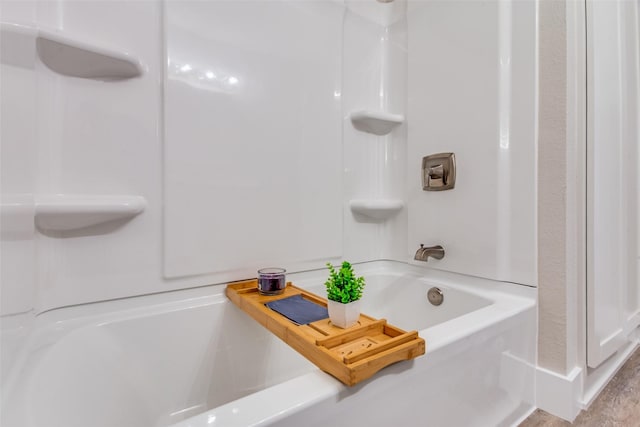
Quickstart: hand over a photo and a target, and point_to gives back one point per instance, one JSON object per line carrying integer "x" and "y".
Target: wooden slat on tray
{"x": 351, "y": 355}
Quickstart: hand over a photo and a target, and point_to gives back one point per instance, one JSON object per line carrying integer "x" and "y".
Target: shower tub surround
{"x": 190, "y": 358}
{"x": 229, "y": 113}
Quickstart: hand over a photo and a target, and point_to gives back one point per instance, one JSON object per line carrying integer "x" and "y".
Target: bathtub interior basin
{"x": 403, "y": 300}
{"x": 191, "y": 358}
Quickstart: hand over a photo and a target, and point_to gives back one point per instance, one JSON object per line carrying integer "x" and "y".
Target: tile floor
{"x": 617, "y": 406}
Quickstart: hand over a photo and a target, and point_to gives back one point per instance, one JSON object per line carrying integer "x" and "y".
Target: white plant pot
{"x": 344, "y": 315}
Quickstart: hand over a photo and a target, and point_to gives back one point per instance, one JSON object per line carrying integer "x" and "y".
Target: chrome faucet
{"x": 423, "y": 254}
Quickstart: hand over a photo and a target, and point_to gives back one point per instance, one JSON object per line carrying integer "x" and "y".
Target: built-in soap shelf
{"x": 379, "y": 209}
{"x": 66, "y": 54}
{"x": 65, "y": 212}
{"x": 375, "y": 122}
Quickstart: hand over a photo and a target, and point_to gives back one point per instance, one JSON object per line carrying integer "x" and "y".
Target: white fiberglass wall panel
{"x": 374, "y": 71}
{"x": 17, "y": 168}
{"x": 90, "y": 137}
{"x": 253, "y": 154}
{"x": 472, "y": 87}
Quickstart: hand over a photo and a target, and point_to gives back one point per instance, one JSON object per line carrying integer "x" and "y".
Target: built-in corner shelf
{"x": 375, "y": 122}
{"x": 379, "y": 209}
{"x": 64, "y": 212}
{"x": 67, "y": 54}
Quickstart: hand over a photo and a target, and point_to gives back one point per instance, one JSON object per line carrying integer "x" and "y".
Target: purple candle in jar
{"x": 271, "y": 281}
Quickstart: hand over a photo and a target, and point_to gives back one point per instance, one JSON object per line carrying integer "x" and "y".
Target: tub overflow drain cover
{"x": 435, "y": 296}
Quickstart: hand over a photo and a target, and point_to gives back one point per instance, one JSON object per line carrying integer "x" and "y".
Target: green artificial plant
{"x": 343, "y": 285}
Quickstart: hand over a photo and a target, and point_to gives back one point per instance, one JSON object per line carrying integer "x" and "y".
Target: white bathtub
{"x": 191, "y": 358}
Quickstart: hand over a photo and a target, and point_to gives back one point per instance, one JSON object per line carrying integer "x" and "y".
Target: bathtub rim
{"x": 159, "y": 302}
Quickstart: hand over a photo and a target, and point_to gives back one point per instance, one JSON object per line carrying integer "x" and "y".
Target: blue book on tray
{"x": 299, "y": 310}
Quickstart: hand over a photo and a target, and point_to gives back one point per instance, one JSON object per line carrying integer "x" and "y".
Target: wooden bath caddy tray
{"x": 351, "y": 355}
